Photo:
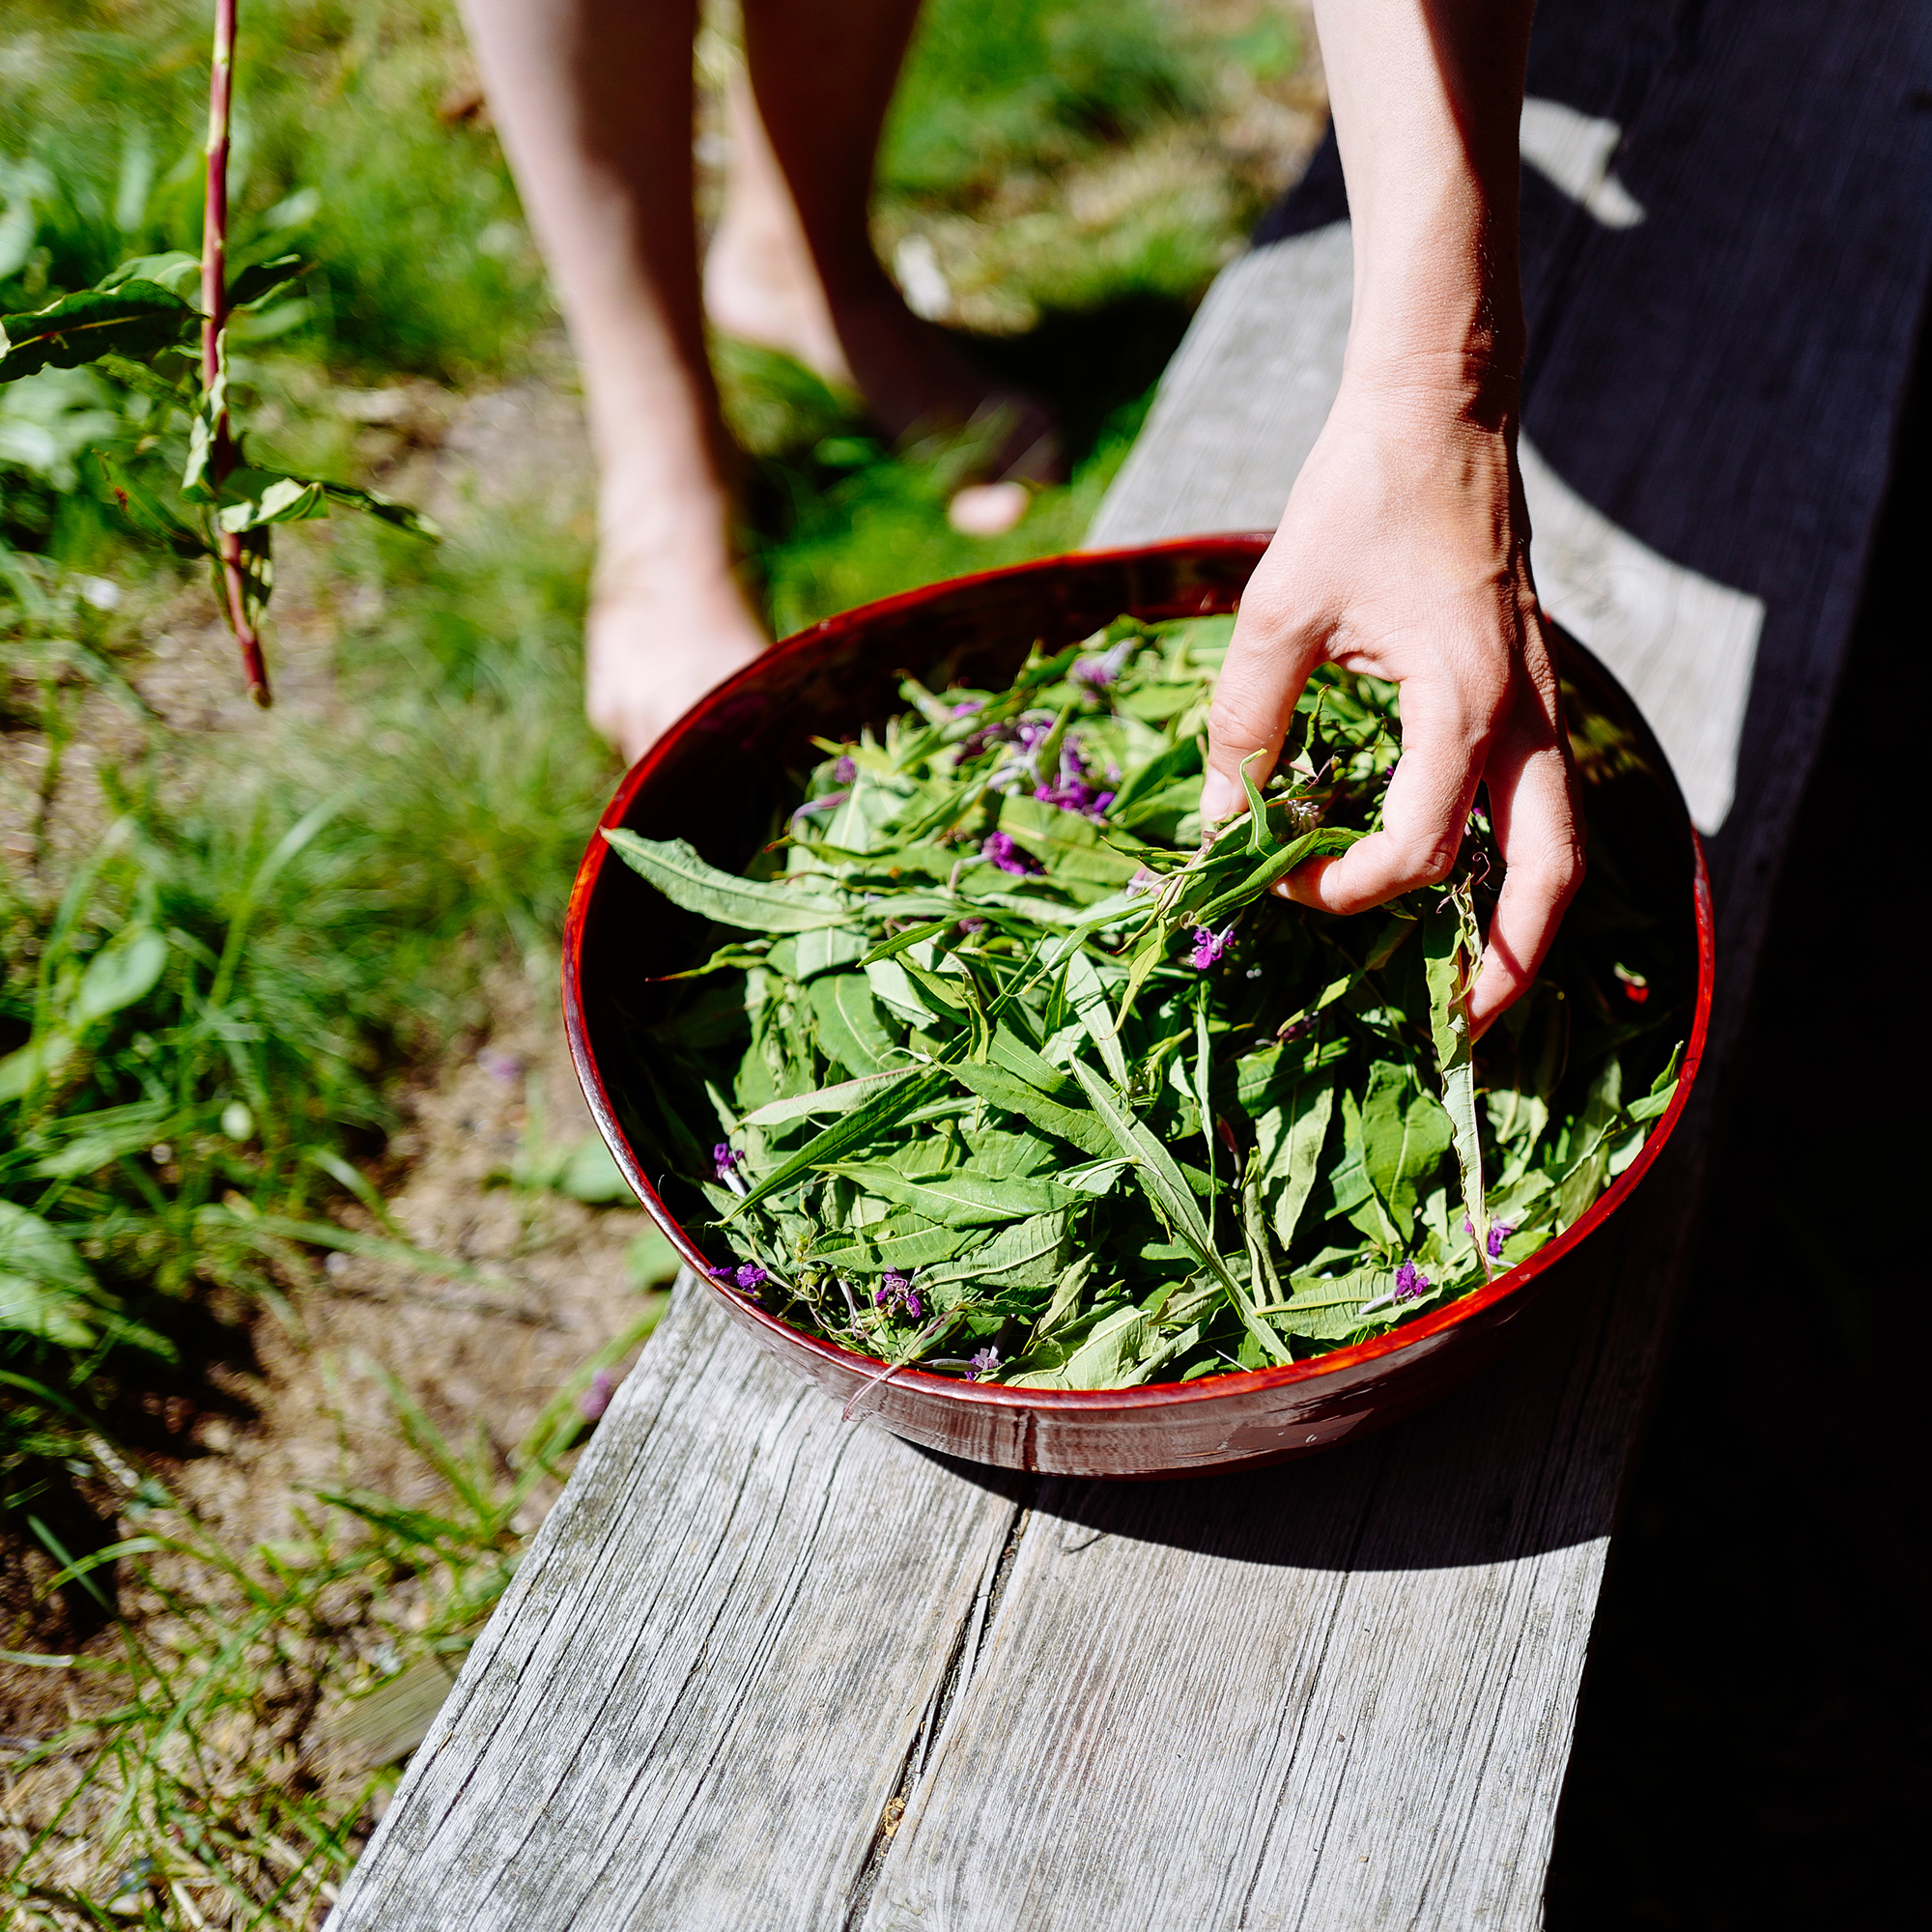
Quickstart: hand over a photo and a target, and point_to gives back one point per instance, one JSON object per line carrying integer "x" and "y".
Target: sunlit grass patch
{"x": 242, "y": 1713}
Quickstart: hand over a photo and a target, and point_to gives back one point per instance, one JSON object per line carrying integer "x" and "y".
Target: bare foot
{"x": 915, "y": 381}
{"x": 759, "y": 281}
{"x": 762, "y": 285}
{"x": 659, "y": 636}
{"x": 987, "y": 509}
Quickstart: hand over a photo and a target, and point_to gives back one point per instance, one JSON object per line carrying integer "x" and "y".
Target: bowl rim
{"x": 997, "y": 1396}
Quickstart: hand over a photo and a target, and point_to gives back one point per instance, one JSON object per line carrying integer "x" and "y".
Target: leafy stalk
{"x": 221, "y": 455}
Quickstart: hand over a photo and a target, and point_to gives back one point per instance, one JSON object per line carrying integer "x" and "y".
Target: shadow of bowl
{"x": 730, "y": 763}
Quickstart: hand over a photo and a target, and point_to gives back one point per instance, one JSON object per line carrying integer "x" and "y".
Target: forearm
{"x": 1426, "y": 97}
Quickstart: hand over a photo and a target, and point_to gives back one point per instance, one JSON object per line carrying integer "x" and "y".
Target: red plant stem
{"x": 215, "y": 316}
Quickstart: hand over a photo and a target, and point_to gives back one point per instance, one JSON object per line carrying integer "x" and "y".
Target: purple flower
{"x": 985, "y": 1363}
{"x": 1097, "y": 673}
{"x": 1001, "y": 850}
{"x": 897, "y": 1296}
{"x": 1068, "y": 796}
{"x": 1499, "y": 1233}
{"x": 825, "y": 804}
{"x": 1410, "y": 1282}
{"x": 844, "y": 770}
{"x": 1031, "y": 731}
{"x": 967, "y": 706}
{"x": 1073, "y": 793}
{"x": 1208, "y": 947}
{"x": 974, "y": 924}
{"x": 751, "y": 1277}
{"x": 726, "y": 1159}
{"x": 596, "y": 1399}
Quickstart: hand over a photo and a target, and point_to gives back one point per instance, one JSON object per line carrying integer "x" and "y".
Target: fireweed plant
{"x": 1016, "y": 1077}
{"x": 157, "y": 324}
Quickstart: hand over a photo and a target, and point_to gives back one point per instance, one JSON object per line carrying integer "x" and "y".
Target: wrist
{"x": 1453, "y": 338}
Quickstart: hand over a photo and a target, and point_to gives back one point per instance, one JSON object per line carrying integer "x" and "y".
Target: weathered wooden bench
{"x": 762, "y": 1668}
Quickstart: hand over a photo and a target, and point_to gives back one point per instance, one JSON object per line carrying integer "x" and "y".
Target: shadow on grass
{"x": 832, "y": 518}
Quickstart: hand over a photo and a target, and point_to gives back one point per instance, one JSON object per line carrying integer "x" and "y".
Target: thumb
{"x": 1254, "y": 701}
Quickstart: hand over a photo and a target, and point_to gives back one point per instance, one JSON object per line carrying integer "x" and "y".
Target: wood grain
{"x": 1339, "y": 1693}
{"x": 722, "y": 1646}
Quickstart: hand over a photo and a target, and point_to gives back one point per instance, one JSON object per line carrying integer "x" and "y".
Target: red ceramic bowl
{"x": 717, "y": 776}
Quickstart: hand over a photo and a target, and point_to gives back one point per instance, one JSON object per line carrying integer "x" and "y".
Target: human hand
{"x": 1403, "y": 552}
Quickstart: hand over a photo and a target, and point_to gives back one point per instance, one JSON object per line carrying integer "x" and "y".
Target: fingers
{"x": 1446, "y": 728}
{"x": 1268, "y": 660}
{"x": 1537, "y": 829}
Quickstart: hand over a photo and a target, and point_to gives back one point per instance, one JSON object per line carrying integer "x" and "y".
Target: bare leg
{"x": 760, "y": 282}
{"x": 824, "y": 78}
{"x": 594, "y": 99}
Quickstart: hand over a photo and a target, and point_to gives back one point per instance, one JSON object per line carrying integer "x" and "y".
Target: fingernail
{"x": 1217, "y": 798}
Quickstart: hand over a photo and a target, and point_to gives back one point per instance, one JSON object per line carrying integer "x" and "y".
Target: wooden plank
{"x": 699, "y": 1694}
{"x": 1430, "y": 1798}
{"x": 1341, "y": 1693}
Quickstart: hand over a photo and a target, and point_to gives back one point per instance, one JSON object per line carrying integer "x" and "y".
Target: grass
{"x": 226, "y": 1749}
{"x": 226, "y": 940}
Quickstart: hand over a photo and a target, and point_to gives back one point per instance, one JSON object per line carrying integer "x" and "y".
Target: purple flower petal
{"x": 1410, "y": 1282}
{"x": 1000, "y": 849}
{"x": 596, "y": 1399}
{"x": 985, "y": 1363}
{"x": 844, "y": 772}
{"x": 825, "y": 804}
{"x": 1499, "y": 1233}
{"x": 1208, "y": 947}
{"x": 751, "y": 1276}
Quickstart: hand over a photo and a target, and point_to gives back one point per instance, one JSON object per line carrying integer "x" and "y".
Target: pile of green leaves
{"x": 1021, "y": 1077}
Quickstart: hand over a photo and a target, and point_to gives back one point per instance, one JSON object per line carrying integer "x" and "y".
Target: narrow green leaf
{"x": 960, "y": 1199}
{"x": 1160, "y": 1177}
{"x": 384, "y": 509}
{"x": 839, "y": 1100}
{"x": 1023, "y": 1254}
{"x": 1451, "y": 948}
{"x": 1088, "y": 995}
{"x": 1004, "y": 1089}
{"x": 902, "y": 1244}
{"x": 855, "y": 1129}
{"x": 1290, "y": 1143}
{"x": 1324, "y": 842}
{"x": 849, "y": 1026}
{"x": 676, "y": 871}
